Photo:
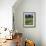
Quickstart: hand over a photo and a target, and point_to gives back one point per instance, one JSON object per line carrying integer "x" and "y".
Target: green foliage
{"x": 29, "y": 21}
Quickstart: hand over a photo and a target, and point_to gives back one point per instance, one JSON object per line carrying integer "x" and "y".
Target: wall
{"x": 43, "y": 22}
{"x": 6, "y": 16}
{"x": 6, "y": 13}
{"x": 30, "y": 6}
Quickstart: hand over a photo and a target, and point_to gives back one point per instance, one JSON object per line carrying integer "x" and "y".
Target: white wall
{"x": 38, "y": 34}
{"x": 43, "y": 22}
{"x": 28, "y": 6}
{"x": 6, "y": 13}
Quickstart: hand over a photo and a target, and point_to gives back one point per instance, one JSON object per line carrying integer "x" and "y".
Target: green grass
{"x": 28, "y": 21}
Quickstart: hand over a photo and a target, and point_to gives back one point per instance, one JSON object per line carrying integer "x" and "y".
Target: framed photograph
{"x": 29, "y": 19}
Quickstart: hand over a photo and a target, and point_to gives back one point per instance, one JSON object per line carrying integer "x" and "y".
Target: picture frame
{"x": 29, "y": 19}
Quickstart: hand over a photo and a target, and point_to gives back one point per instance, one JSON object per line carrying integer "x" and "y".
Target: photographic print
{"x": 29, "y": 19}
